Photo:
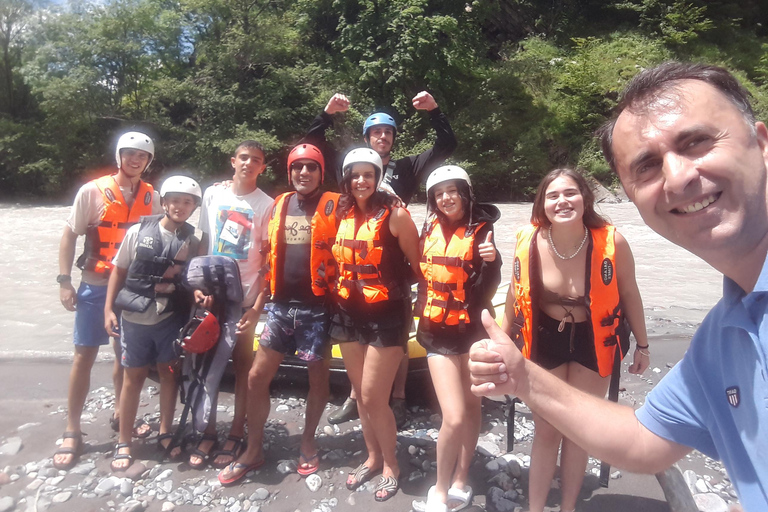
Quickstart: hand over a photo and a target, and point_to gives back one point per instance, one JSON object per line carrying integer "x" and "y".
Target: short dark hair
{"x": 591, "y": 218}
{"x": 648, "y": 86}
{"x": 251, "y": 144}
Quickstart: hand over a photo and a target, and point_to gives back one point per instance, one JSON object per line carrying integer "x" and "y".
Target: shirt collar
{"x": 733, "y": 293}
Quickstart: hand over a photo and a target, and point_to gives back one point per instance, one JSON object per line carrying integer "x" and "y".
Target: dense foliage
{"x": 524, "y": 82}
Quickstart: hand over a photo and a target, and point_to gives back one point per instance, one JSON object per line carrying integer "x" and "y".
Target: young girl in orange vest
{"x": 375, "y": 243}
{"x": 573, "y": 282}
{"x": 461, "y": 271}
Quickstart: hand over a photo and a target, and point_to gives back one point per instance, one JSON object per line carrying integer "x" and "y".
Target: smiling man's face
{"x": 695, "y": 169}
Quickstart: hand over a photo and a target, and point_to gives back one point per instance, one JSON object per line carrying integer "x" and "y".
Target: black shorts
{"x": 387, "y": 328}
{"x": 554, "y": 348}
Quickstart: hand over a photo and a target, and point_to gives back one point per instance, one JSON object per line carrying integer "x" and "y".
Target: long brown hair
{"x": 591, "y": 218}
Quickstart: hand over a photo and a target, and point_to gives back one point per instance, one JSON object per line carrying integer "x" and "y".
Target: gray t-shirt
{"x": 127, "y": 253}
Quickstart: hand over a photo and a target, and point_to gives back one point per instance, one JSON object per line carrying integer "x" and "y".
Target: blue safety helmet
{"x": 377, "y": 119}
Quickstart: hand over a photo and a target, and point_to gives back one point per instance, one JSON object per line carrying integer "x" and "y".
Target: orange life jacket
{"x": 103, "y": 240}
{"x": 360, "y": 259}
{"x": 323, "y": 225}
{"x": 446, "y": 267}
{"x": 602, "y": 294}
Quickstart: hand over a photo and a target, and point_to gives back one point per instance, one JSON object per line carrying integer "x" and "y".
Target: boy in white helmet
{"x": 145, "y": 286}
{"x": 103, "y": 210}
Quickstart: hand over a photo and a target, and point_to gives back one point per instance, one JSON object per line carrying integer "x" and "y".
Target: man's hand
{"x": 424, "y": 101}
{"x": 249, "y": 318}
{"x": 486, "y": 249}
{"x": 337, "y": 103}
{"x": 495, "y": 364}
{"x": 640, "y": 362}
{"x": 203, "y": 300}
{"x": 110, "y": 324}
{"x": 68, "y": 296}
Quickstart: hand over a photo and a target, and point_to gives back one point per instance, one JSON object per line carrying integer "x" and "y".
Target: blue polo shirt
{"x": 716, "y": 398}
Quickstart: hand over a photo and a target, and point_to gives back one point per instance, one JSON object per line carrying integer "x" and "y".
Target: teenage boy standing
{"x": 145, "y": 285}
{"x": 103, "y": 211}
{"x": 234, "y": 221}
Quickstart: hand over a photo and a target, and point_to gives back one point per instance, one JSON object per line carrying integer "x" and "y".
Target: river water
{"x": 677, "y": 288}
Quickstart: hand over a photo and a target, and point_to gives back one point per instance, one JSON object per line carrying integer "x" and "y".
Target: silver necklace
{"x": 552, "y": 244}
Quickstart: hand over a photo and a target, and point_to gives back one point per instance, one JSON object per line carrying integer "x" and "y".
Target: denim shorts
{"x": 296, "y": 329}
{"x": 145, "y": 345}
{"x": 89, "y": 316}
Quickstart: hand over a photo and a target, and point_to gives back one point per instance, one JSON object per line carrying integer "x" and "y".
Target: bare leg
{"x": 168, "y": 392}
{"x": 79, "y": 384}
{"x": 316, "y": 399}
{"x": 546, "y": 443}
{"x": 117, "y": 374}
{"x": 265, "y": 366}
{"x": 129, "y": 404}
{"x": 472, "y": 422}
{"x": 354, "y": 358}
{"x": 379, "y": 370}
{"x": 398, "y": 388}
{"x": 242, "y": 361}
{"x": 446, "y": 377}
{"x": 573, "y": 460}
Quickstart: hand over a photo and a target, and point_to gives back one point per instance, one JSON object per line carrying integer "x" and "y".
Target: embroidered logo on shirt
{"x": 146, "y": 243}
{"x": 733, "y": 396}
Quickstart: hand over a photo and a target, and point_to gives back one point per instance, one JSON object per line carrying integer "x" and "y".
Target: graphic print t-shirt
{"x": 237, "y": 227}
{"x": 297, "y": 232}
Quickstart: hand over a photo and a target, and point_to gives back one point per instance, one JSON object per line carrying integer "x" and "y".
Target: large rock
{"x": 11, "y": 446}
{"x": 710, "y": 502}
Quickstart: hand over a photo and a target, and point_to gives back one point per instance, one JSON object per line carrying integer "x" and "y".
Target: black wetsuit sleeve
{"x": 316, "y": 136}
{"x": 413, "y": 170}
{"x": 489, "y": 276}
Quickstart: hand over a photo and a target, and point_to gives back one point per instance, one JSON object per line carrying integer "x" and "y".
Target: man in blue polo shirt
{"x": 694, "y": 161}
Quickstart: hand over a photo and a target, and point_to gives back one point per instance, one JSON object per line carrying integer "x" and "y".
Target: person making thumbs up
{"x": 461, "y": 270}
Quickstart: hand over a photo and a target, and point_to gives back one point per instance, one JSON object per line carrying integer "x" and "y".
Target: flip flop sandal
{"x": 360, "y": 475}
{"x": 141, "y": 434}
{"x": 167, "y": 449}
{"x": 239, "y": 466}
{"x": 388, "y": 485}
{"x": 121, "y": 456}
{"x": 234, "y": 452}
{"x": 460, "y": 495}
{"x": 309, "y": 468}
{"x": 75, "y": 451}
{"x": 204, "y": 456}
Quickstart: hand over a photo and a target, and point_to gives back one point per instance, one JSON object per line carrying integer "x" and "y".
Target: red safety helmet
{"x": 307, "y": 151}
{"x": 201, "y": 333}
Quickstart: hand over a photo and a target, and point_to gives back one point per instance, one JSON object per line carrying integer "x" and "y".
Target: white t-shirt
{"x": 87, "y": 211}
{"x": 237, "y": 227}
{"x": 125, "y": 256}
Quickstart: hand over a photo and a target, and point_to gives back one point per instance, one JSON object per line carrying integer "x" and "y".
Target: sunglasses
{"x": 311, "y": 166}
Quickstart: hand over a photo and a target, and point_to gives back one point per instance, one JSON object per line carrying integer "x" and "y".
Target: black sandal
{"x": 360, "y": 475}
{"x": 388, "y": 485}
{"x": 121, "y": 456}
{"x": 204, "y": 456}
{"x": 65, "y": 450}
{"x": 169, "y": 448}
{"x": 234, "y": 452}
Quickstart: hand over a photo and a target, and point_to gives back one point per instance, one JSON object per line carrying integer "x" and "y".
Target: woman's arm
{"x": 402, "y": 227}
{"x": 630, "y": 298}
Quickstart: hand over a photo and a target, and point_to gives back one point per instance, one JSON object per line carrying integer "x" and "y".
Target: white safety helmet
{"x": 181, "y": 185}
{"x": 447, "y": 173}
{"x": 135, "y": 140}
{"x": 364, "y": 155}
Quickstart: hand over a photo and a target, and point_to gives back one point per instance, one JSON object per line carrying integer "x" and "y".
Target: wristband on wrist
{"x": 644, "y": 351}
{"x": 63, "y": 278}
{"x": 637, "y": 345}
